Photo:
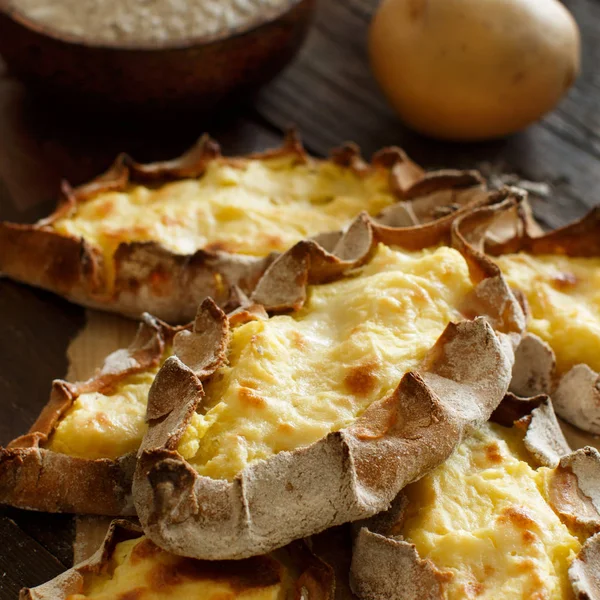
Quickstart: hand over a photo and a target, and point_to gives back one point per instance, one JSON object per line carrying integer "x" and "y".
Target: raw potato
{"x": 467, "y": 70}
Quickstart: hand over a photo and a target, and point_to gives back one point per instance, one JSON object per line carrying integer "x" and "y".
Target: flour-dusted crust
{"x": 311, "y": 578}
{"x": 577, "y": 398}
{"x": 37, "y": 478}
{"x": 385, "y": 567}
{"x": 584, "y": 572}
{"x": 349, "y": 474}
{"x": 151, "y": 278}
{"x": 576, "y": 395}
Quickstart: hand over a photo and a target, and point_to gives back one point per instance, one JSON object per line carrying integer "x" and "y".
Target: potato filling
{"x": 484, "y": 520}
{"x": 564, "y": 296}
{"x": 139, "y": 569}
{"x": 251, "y": 208}
{"x": 290, "y": 380}
{"x": 106, "y": 425}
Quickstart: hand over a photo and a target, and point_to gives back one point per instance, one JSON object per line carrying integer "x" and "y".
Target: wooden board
{"x": 330, "y": 95}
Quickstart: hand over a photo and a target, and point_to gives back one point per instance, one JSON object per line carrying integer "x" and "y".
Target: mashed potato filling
{"x": 140, "y": 570}
{"x": 105, "y": 425}
{"x": 252, "y": 208}
{"x": 292, "y": 379}
{"x": 564, "y": 296}
{"x": 484, "y": 520}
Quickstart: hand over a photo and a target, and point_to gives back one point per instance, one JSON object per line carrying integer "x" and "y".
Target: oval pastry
{"x": 79, "y": 455}
{"x": 161, "y": 237}
{"x": 511, "y": 514}
{"x": 361, "y": 375}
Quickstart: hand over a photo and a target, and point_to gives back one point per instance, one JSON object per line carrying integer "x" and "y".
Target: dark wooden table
{"x": 329, "y": 94}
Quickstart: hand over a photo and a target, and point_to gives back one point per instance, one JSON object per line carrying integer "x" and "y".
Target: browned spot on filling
{"x": 249, "y": 383}
{"x": 144, "y": 550}
{"x": 298, "y": 340}
{"x": 240, "y": 575}
{"x": 361, "y": 379}
{"x": 564, "y": 281}
{"x": 444, "y": 576}
{"x": 102, "y": 419}
{"x": 285, "y": 428}
{"x": 488, "y": 570}
{"x": 251, "y": 398}
{"x": 274, "y": 242}
{"x": 526, "y": 565}
{"x": 492, "y": 453}
{"x": 528, "y": 537}
{"x": 518, "y": 517}
{"x": 475, "y": 588}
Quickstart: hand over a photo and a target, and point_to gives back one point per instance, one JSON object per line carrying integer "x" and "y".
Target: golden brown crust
{"x": 34, "y": 477}
{"x": 150, "y": 278}
{"x": 349, "y": 474}
{"x": 575, "y": 395}
{"x": 312, "y": 579}
{"x": 386, "y": 566}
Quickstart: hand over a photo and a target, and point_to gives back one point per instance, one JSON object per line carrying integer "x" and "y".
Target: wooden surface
{"x": 330, "y": 95}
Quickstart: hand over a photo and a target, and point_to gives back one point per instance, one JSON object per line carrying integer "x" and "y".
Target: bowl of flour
{"x": 150, "y": 56}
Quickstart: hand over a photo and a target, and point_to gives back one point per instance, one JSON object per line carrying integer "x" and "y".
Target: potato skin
{"x": 467, "y": 70}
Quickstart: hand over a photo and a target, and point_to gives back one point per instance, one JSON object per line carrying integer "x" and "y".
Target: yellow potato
{"x": 473, "y": 69}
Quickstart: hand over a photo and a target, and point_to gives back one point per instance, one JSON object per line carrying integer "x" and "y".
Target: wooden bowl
{"x": 192, "y": 74}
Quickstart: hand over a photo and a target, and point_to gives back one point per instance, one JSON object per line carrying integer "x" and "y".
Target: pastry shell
{"x": 34, "y": 477}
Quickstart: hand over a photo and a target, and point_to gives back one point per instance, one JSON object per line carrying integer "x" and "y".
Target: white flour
{"x": 139, "y": 21}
